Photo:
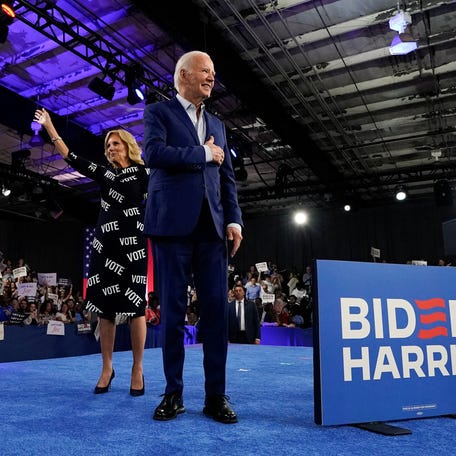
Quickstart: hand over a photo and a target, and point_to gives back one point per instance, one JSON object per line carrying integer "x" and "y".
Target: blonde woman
{"x": 118, "y": 264}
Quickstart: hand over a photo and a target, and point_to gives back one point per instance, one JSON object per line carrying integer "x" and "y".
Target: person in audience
{"x": 243, "y": 321}
{"x": 192, "y": 316}
{"x": 291, "y": 302}
{"x": 65, "y": 293}
{"x": 269, "y": 314}
{"x": 299, "y": 292}
{"x": 118, "y": 263}
{"x": 295, "y": 312}
{"x": 282, "y": 316}
{"x": 13, "y": 293}
{"x": 152, "y": 318}
{"x": 245, "y": 279}
{"x": 307, "y": 278}
{"x": 260, "y": 309}
{"x": 292, "y": 281}
{"x": 264, "y": 290}
{"x": 80, "y": 314}
{"x": 6, "y": 309}
{"x": 153, "y": 309}
{"x": 46, "y": 312}
{"x": 19, "y": 314}
{"x": 71, "y": 308}
{"x": 32, "y": 317}
{"x": 276, "y": 285}
{"x": 306, "y": 310}
{"x": 63, "y": 314}
{"x": 253, "y": 291}
{"x": 268, "y": 284}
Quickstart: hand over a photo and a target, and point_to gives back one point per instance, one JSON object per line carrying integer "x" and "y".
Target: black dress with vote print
{"x": 118, "y": 261}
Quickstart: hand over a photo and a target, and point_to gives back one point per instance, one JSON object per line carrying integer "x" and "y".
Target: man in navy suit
{"x": 192, "y": 210}
{"x": 243, "y": 321}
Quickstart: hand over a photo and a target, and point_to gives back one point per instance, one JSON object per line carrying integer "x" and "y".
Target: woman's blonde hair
{"x": 134, "y": 151}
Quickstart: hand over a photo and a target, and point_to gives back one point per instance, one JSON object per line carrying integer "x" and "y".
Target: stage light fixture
{"x": 6, "y": 191}
{"x": 7, "y": 16}
{"x": 102, "y": 88}
{"x": 135, "y": 92}
{"x": 36, "y": 140}
{"x": 401, "y": 193}
{"x": 301, "y": 217}
{"x": 403, "y": 42}
{"x": 347, "y": 207}
{"x": 8, "y": 13}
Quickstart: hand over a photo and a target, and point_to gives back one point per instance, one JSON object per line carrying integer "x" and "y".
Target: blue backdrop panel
{"x": 32, "y": 342}
{"x": 384, "y": 342}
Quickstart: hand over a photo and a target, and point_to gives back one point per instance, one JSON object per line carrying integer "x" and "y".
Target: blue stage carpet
{"x": 49, "y": 409}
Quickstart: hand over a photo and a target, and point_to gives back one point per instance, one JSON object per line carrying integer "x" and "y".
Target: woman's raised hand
{"x": 42, "y": 117}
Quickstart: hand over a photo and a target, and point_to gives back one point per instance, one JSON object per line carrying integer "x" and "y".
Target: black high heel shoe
{"x": 104, "y": 389}
{"x": 137, "y": 392}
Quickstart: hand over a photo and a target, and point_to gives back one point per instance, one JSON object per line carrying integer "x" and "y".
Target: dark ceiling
{"x": 318, "y": 110}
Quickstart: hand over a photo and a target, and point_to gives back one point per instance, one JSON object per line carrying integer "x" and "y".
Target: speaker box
{"x": 442, "y": 193}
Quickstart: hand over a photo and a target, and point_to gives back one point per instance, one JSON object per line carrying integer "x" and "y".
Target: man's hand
{"x": 233, "y": 234}
{"x": 217, "y": 152}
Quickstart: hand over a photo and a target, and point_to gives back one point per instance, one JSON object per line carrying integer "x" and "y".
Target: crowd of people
{"x": 291, "y": 304}
{"x": 282, "y": 298}
{"x": 51, "y": 302}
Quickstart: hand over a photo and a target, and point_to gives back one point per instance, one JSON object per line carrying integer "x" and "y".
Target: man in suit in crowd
{"x": 244, "y": 324}
{"x": 192, "y": 210}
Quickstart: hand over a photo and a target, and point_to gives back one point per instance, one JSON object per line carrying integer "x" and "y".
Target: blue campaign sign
{"x": 384, "y": 342}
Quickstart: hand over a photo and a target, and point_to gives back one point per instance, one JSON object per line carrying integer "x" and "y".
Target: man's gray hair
{"x": 184, "y": 62}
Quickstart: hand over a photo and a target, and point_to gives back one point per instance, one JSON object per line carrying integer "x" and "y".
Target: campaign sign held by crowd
{"x": 384, "y": 342}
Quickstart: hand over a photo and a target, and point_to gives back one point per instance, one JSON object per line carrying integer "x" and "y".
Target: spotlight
{"x": 36, "y": 140}
{"x": 400, "y": 21}
{"x": 403, "y": 42}
{"x": 135, "y": 93}
{"x": 300, "y": 217}
{"x": 102, "y": 88}
{"x": 401, "y": 193}
{"x": 7, "y": 16}
{"x": 6, "y": 191}
{"x": 347, "y": 208}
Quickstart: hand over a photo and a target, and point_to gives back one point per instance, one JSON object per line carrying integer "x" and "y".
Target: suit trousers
{"x": 200, "y": 258}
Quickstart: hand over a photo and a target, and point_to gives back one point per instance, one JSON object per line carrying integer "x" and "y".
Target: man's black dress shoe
{"x": 104, "y": 389}
{"x": 169, "y": 407}
{"x": 137, "y": 392}
{"x": 218, "y": 408}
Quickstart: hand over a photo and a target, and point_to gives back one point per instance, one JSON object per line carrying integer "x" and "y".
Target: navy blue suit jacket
{"x": 180, "y": 177}
{"x": 251, "y": 320}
